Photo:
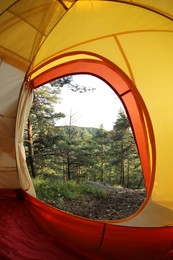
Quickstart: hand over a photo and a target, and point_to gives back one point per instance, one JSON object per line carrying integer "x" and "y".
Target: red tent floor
{"x": 22, "y": 238}
{"x": 32, "y": 230}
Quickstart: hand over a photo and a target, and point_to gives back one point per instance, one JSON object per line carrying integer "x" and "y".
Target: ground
{"x": 117, "y": 204}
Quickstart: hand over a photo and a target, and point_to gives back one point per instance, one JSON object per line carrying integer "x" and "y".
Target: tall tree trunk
{"x": 78, "y": 172}
{"x": 122, "y": 166}
{"x": 122, "y": 173}
{"x": 68, "y": 167}
{"x": 31, "y": 149}
{"x": 102, "y": 162}
{"x": 102, "y": 168}
{"x": 64, "y": 170}
{"x": 128, "y": 173}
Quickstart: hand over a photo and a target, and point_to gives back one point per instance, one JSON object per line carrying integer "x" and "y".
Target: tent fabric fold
{"x": 128, "y": 45}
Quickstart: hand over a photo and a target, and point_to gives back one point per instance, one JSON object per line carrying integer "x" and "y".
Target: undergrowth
{"x": 52, "y": 189}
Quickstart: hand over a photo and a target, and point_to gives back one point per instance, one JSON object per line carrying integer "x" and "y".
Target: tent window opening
{"x": 80, "y": 149}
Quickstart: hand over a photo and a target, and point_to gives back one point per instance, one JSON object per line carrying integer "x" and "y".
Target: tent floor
{"x": 22, "y": 238}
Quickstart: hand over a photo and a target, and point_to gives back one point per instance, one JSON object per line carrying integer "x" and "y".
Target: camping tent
{"x": 129, "y": 45}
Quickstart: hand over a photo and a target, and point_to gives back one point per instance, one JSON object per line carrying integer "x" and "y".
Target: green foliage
{"x": 76, "y": 153}
{"x": 123, "y": 153}
{"x": 52, "y": 188}
{"x": 95, "y": 191}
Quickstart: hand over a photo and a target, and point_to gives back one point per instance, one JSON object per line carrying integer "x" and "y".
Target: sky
{"x": 90, "y": 109}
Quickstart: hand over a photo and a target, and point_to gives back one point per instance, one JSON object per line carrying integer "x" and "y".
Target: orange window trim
{"x": 127, "y": 92}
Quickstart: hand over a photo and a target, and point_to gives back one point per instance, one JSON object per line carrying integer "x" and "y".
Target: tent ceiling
{"x": 28, "y": 23}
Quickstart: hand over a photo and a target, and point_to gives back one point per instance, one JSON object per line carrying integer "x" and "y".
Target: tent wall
{"x": 11, "y": 80}
{"x": 13, "y": 170}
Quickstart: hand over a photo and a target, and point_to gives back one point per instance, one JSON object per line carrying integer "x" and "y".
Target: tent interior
{"x": 127, "y": 44}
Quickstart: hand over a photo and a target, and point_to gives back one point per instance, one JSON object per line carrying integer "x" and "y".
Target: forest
{"x": 76, "y": 153}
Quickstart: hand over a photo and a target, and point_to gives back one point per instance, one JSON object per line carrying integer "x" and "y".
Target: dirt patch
{"x": 117, "y": 204}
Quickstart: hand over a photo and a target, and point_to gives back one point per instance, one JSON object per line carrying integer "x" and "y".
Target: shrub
{"x": 52, "y": 188}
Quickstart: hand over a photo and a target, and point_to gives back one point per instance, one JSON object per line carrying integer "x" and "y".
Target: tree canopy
{"x": 79, "y": 153}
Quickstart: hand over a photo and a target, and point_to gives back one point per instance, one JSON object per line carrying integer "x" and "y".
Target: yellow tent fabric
{"x": 132, "y": 39}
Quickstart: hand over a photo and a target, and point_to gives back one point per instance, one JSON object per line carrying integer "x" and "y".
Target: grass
{"x": 95, "y": 191}
{"x": 52, "y": 189}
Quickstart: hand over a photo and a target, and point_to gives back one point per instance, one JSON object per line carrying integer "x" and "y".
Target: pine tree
{"x": 41, "y": 121}
{"x": 101, "y": 152}
{"x": 124, "y": 154}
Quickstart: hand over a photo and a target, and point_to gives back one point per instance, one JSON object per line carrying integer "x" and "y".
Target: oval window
{"x": 81, "y": 151}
